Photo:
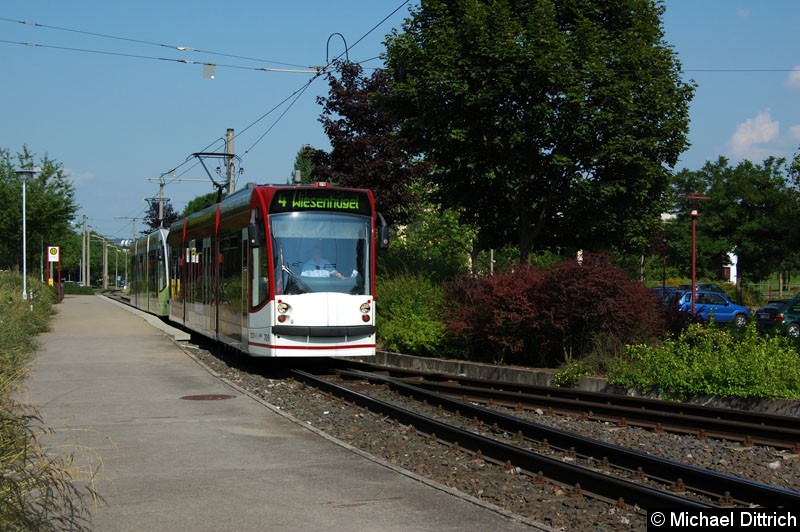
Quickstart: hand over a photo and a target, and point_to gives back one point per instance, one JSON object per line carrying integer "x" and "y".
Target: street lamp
{"x": 24, "y": 175}
{"x": 695, "y": 214}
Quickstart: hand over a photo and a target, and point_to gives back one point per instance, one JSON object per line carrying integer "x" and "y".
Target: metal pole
{"x": 694, "y": 262}
{"x": 105, "y": 264}
{"x": 161, "y": 204}
{"x": 694, "y": 214}
{"x": 24, "y": 247}
{"x": 84, "y": 255}
{"x": 229, "y": 160}
{"x": 89, "y": 257}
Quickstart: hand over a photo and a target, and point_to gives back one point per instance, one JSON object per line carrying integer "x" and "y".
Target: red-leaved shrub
{"x": 545, "y": 316}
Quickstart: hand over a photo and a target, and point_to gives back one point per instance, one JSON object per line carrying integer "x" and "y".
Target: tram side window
{"x": 208, "y": 272}
{"x": 162, "y": 269}
{"x": 193, "y": 282}
{"x": 175, "y": 269}
{"x": 260, "y": 268}
{"x": 152, "y": 281}
{"x": 231, "y": 269}
{"x": 141, "y": 271}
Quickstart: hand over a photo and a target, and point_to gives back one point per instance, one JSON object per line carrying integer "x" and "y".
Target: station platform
{"x": 113, "y": 389}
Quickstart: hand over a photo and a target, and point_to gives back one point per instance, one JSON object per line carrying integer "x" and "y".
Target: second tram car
{"x": 279, "y": 271}
{"x": 149, "y": 284}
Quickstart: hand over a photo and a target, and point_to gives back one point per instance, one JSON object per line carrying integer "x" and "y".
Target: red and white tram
{"x": 279, "y": 271}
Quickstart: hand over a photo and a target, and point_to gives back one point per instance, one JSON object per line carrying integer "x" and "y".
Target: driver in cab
{"x": 318, "y": 266}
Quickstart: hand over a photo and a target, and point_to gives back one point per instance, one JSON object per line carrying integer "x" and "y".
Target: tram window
{"x": 343, "y": 261}
{"x": 231, "y": 269}
{"x": 194, "y": 274}
{"x": 152, "y": 271}
{"x": 162, "y": 269}
{"x": 175, "y": 268}
{"x": 259, "y": 266}
{"x": 208, "y": 272}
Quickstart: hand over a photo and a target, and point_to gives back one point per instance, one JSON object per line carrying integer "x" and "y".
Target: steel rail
{"x": 670, "y": 421}
{"x": 698, "y": 415}
{"x": 590, "y": 481}
{"x": 698, "y": 479}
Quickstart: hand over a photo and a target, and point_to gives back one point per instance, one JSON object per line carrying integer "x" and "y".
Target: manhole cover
{"x": 207, "y": 397}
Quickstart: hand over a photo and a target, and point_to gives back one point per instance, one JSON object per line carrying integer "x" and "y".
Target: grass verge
{"x": 41, "y": 488}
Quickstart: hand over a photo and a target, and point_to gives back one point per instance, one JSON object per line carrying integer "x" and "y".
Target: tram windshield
{"x": 321, "y": 252}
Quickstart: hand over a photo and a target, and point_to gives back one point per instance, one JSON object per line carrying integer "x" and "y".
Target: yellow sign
{"x": 52, "y": 254}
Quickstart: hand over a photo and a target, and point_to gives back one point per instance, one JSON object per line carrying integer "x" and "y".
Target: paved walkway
{"x": 111, "y": 385}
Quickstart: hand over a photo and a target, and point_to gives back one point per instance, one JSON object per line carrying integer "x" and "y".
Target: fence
{"x": 772, "y": 290}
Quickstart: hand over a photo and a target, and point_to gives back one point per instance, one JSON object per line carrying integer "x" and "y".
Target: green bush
{"x": 409, "y": 316}
{"x": 74, "y": 289}
{"x": 713, "y": 361}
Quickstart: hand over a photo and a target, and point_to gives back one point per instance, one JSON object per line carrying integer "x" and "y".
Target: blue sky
{"x": 114, "y": 121}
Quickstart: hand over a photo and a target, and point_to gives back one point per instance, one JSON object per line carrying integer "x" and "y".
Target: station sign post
{"x": 54, "y": 256}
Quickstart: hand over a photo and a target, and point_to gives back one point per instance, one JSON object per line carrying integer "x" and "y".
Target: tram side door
{"x": 193, "y": 284}
{"x": 209, "y": 287}
{"x": 245, "y": 290}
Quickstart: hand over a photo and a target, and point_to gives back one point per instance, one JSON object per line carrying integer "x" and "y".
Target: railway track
{"x": 678, "y": 485}
{"x": 749, "y": 428}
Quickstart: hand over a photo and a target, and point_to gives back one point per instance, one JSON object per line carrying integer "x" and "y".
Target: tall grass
{"x": 41, "y": 488}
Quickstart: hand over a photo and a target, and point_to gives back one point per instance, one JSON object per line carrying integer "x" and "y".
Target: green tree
{"x": 304, "y": 164}
{"x": 366, "y": 151}
{"x": 434, "y": 244}
{"x": 748, "y": 212}
{"x": 554, "y": 122}
{"x": 199, "y": 203}
{"x": 50, "y": 207}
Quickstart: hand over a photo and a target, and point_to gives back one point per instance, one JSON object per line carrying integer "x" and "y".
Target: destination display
{"x": 320, "y": 199}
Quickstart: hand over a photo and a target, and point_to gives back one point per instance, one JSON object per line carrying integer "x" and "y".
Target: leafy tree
{"x": 554, "y": 122}
{"x": 304, "y": 164}
{"x": 199, "y": 203}
{"x": 365, "y": 149}
{"x": 434, "y": 244}
{"x": 152, "y": 220}
{"x": 749, "y": 213}
{"x": 49, "y": 207}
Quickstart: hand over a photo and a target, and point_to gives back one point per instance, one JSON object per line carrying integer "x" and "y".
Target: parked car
{"x": 707, "y": 287}
{"x": 663, "y": 293}
{"x": 780, "y": 316}
{"x": 713, "y": 305}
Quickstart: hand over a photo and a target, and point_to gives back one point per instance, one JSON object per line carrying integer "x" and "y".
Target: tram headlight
{"x": 365, "y": 308}
{"x": 283, "y": 307}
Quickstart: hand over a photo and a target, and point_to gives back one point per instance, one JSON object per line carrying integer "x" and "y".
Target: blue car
{"x": 713, "y": 305}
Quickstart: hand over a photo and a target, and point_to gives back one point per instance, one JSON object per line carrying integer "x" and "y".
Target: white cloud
{"x": 750, "y": 136}
{"x": 794, "y": 133}
{"x": 793, "y": 81}
{"x": 79, "y": 178}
